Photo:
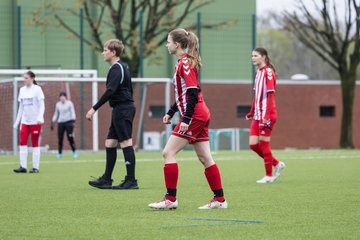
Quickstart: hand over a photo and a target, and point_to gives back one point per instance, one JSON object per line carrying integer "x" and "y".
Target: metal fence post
{"x": 198, "y": 24}
{"x": 82, "y": 108}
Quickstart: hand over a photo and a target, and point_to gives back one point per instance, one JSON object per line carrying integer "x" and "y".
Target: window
{"x": 327, "y": 111}
{"x": 242, "y": 111}
{"x": 157, "y": 111}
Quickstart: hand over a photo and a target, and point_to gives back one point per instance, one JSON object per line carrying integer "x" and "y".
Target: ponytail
{"x": 193, "y": 50}
{"x": 189, "y": 41}
{"x": 32, "y": 75}
{"x": 263, "y": 52}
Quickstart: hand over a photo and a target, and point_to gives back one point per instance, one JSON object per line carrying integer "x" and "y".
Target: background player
{"x": 193, "y": 125}
{"x": 119, "y": 93}
{"x": 65, "y": 116}
{"x": 263, "y": 114}
{"x": 31, "y": 116}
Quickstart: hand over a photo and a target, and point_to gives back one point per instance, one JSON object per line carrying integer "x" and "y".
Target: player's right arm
{"x": 55, "y": 116}
{"x": 20, "y": 111}
{"x": 169, "y": 115}
{"x": 250, "y": 115}
{"x": 111, "y": 86}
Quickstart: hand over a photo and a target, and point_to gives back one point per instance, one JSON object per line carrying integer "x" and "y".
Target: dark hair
{"x": 189, "y": 41}
{"x": 62, "y": 94}
{"x": 263, "y": 52}
{"x": 32, "y": 75}
{"x": 115, "y": 45}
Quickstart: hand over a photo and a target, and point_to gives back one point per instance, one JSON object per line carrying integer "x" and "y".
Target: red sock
{"x": 171, "y": 174}
{"x": 213, "y": 177}
{"x": 256, "y": 148}
{"x": 267, "y": 156}
{"x": 275, "y": 162}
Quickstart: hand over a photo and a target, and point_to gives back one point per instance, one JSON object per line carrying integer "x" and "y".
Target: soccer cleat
{"x": 75, "y": 154}
{"x": 34, "y": 170}
{"x": 127, "y": 184}
{"x": 20, "y": 170}
{"x": 278, "y": 169}
{"x": 101, "y": 183}
{"x": 59, "y": 155}
{"x": 266, "y": 179}
{"x": 213, "y": 204}
{"x": 164, "y": 204}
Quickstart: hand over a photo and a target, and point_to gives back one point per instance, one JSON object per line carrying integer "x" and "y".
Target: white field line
{"x": 227, "y": 158}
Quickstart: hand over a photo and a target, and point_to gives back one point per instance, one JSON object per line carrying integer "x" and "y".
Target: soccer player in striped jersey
{"x": 194, "y": 122}
{"x": 65, "y": 116}
{"x": 263, "y": 114}
{"x": 30, "y": 117}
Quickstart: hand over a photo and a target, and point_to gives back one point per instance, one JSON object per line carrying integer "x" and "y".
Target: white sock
{"x": 23, "y": 156}
{"x": 36, "y": 157}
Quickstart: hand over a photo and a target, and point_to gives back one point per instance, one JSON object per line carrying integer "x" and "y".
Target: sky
{"x": 290, "y": 5}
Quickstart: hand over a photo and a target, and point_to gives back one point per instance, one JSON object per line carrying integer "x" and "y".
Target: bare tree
{"x": 160, "y": 16}
{"x": 337, "y": 42}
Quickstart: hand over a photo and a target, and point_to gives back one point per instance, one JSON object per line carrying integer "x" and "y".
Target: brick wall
{"x": 299, "y": 124}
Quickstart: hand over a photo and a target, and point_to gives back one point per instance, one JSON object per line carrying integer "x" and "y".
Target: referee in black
{"x": 120, "y": 96}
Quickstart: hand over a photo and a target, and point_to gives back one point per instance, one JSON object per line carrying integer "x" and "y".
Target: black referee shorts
{"x": 121, "y": 123}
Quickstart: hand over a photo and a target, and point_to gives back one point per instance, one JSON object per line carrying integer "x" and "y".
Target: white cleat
{"x": 214, "y": 204}
{"x": 278, "y": 168}
{"x": 164, "y": 204}
{"x": 266, "y": 179}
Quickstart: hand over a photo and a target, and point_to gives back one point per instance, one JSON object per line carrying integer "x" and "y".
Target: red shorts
{"x": 260, "y": 129}
{"x": 33, "y": 130}
{"x": 198, "y": 131}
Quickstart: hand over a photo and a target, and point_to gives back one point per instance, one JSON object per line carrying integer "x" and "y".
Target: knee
{"x": 168, "y": 154}
{"x": 202, "y": 158}
{"x": 110, "y": 144}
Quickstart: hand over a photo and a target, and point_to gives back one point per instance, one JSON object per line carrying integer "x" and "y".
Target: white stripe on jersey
{"x": 258, "y": 86}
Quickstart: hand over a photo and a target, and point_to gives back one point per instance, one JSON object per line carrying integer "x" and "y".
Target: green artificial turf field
{"x": 317, "y": 197}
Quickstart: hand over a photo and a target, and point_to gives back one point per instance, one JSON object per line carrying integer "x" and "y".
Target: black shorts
{"x": 121, "y": 123}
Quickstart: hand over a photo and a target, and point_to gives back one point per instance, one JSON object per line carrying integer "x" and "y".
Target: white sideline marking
{"x": 228, "y": 158}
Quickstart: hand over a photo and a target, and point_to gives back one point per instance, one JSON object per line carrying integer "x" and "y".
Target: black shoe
{"x": 34, "y": 170}
{"x": 127, "y": 184}
{"x": 101, "y": 183}
{"x": 20, "y": 170}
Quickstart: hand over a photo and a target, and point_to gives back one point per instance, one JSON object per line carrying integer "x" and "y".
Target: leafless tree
{"x": 160, "y": 16}
{"x": 337, "y": 42}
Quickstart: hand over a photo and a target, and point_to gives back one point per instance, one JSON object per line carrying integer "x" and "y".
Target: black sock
{"x": 129, "y": 156}
{"x": 218, "y": 193}
{"x": 111, "y": 155}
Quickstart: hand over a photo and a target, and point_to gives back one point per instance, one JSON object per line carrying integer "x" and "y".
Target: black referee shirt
{"x": 119, "y": 90}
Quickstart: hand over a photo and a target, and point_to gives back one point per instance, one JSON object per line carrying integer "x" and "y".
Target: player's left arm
{"x": 192, "y": 90}
{"x": 270, "y": 95}
{"x": 41, "y": 101}
{"x": 72, "y": 110}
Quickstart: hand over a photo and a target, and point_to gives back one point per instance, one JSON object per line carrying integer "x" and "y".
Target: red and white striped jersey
{"x": 186, "y": 77}
{"x": 265, "y": 81}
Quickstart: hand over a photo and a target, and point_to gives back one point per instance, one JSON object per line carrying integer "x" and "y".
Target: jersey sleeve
{"x": 72, "y": 109}
{"x": 270, "y": 80}
{"x": 40, "y": 94}
{"x": 189, "y": 74}
{"x": 20, "y": 95}
{"x": 113, "y": 81}
{"x": 56, "y": 113}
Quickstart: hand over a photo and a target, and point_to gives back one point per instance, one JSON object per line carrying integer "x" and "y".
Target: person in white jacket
{"x": 31, "y": 118}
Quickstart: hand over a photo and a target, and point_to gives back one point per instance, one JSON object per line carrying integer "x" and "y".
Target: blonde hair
{"x": 115, "y": 45}
{"x": 189, "y": 41}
